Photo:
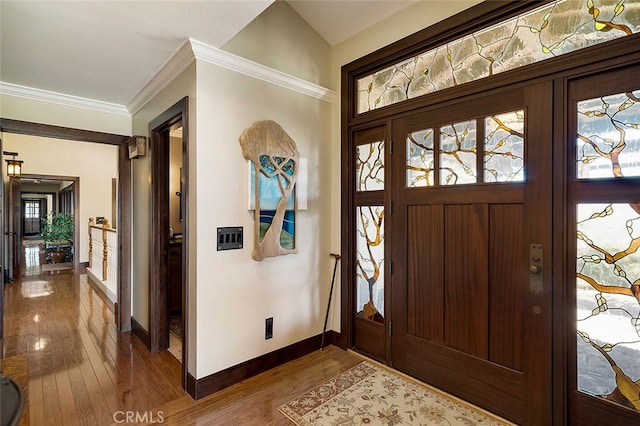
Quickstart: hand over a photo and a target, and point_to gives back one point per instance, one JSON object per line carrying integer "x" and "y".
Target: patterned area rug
{"x": 368, "y": 394}
{"x": 175, "y": 325}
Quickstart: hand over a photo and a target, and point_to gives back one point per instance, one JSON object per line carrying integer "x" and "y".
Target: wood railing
{"x": 103, "y": 256}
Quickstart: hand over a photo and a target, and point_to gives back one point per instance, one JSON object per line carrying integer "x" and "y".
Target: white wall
{"x": 95, "y": 165}
{"x": 235, "y": 293}
{"x": 280, "y": 30}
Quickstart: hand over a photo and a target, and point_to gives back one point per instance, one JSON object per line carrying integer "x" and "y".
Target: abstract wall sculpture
{"x": 275, "y": 159}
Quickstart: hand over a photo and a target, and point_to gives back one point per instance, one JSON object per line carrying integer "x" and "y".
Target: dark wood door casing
{"x": 159, "y": 128}
{"x": 124, "y": 204}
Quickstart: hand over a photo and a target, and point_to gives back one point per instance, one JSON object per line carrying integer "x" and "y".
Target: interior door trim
{"x": 124, "y": 184}
{"x": 159, "y": 146}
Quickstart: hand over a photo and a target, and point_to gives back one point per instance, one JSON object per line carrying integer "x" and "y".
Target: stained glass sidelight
{"x": 420, "y": 158}
{"x": 370, "y": 166}
{"x": 458, "y": 153}
{"x": 608, "y": 143}
{"x": 504, "y": 147}
{"x": 608, "y": 302}
{"x": 370, "y": 263}
{"x": 550, "y": 30}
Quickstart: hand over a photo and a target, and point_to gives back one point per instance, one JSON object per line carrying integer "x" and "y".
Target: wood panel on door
{"x": 465, "y": 318}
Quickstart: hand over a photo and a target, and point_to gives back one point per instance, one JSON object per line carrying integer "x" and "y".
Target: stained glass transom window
{"x": 370, "y": 166}
{"x": 551, "y": 30}
{"x": 608, "y": 294}
{"x": 454, "y": 159}
{"x": 608, "y": 143}
{"x": 370, "y": 263}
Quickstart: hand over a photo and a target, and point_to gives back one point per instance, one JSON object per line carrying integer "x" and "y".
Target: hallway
{"x": 80, "y": 371}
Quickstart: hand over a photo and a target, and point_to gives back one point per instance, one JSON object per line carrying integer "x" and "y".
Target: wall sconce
{"x": 14, "y": 167}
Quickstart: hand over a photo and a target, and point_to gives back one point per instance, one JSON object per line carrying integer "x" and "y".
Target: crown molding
{"x": 253, "y": 69}
{"x": 188, "y": 52}
{"x": 178, "y": 62}
{"x": 10, "y": 89}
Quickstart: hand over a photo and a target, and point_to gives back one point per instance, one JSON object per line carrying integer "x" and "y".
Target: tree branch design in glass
{"x": 608, "y": 301}
{"x": 273, "y": 154}
{"x": 553, "y": 29}
{"x": 497, "y": 139}
{"x": 609, "y": 136}
{"x": 370, "y": 263}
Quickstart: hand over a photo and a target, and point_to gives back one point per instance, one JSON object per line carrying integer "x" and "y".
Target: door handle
{"x": 536, "y": 285}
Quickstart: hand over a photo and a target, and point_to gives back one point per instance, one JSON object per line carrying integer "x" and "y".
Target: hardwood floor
{"x": 80, "y": 371}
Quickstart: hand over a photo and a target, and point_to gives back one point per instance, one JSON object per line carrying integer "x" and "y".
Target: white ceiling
{"x": 106, "y": 50}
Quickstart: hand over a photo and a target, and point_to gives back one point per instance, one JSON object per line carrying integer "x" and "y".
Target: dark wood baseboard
{"x": 142, "y": 334}
{"x": 332, "y": 337}
{"x": 199, "y": 388}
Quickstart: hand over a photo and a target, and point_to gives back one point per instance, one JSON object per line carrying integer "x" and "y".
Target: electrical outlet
{"x": 268, "y": 328}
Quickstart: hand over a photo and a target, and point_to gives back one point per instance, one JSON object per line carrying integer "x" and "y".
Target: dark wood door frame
{"x": 14, "y": 231}
{"x": 613, "y": 54}
{"x": 2, "y": 252}
{"x": 124, "y": 195}
{"x": 159, "y": 130}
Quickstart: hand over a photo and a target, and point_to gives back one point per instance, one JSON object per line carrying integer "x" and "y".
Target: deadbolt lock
{"x": 536, "y": 285}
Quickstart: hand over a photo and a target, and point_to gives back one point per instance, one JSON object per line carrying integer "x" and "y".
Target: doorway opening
{"x": 168, "y": 313}
{"x": 43, "y": 225}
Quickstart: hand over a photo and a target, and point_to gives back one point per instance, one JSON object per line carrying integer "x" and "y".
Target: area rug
{"x": 373, "y": 395}
{"x": 175, "y": 325}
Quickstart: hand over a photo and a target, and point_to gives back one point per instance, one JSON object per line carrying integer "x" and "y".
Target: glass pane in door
{"x": 504, "y": 147}
{"x": 458, "y": 153}
{"x": 608, "y": 301}
{"x": 370, "y": 166}
{"x": 370, "y": 263}
{"x": 608, "y": 142}
{"x": 420, "y": 158}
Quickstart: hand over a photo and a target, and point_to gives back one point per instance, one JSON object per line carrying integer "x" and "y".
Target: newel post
{"x": 105, "y": 249}
{"x": 91, "y": 222}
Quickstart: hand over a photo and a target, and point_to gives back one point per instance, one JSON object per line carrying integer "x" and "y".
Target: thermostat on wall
{"x": 137, "y": 146}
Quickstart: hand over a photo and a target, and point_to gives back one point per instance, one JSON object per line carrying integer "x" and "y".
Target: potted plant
{"x": 57, "y": 234}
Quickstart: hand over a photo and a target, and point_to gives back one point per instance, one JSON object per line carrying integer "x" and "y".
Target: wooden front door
{"x": 471, "y": 256}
